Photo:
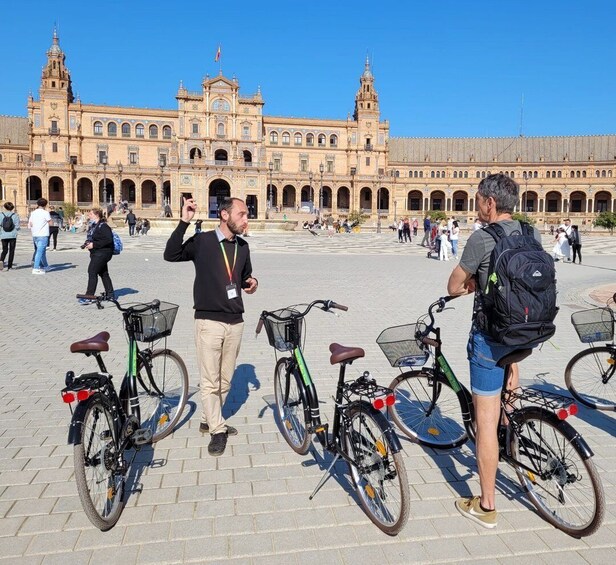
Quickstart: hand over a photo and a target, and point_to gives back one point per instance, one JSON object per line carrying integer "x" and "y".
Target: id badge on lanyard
{"x": 231, "y": 287}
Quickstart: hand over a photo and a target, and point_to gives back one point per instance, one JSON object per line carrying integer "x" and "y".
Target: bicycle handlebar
{"x": 325, "y": 305}
{"x": 440, "y": 306}
{"x": 138, "y": 308}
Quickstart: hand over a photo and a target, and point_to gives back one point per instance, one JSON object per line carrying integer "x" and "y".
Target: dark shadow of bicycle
{"x": 244, "y": 381}
{"x": 142, "y": 459}
{"x": 125, "y": 292}
{"x": 61, "y": 267}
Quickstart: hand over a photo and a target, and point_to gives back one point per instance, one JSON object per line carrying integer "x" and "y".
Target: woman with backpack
{"x": 99, "y": 242}
{"x": 576, "y": 243}
{"x": 9, "y": 226}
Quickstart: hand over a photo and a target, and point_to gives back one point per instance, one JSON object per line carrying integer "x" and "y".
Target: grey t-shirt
{"x": 476, "y": 255}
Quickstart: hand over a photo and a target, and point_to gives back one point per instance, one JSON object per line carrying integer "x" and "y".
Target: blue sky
{"x": 442, "y": 68}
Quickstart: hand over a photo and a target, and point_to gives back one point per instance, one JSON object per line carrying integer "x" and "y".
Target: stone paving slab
{"x": 251, "y": 505}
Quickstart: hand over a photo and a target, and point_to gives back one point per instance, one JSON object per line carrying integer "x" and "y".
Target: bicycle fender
{"x": 565, "y": 427}
{"x": 74, "y": 430}
{"x": 383, "y": 422}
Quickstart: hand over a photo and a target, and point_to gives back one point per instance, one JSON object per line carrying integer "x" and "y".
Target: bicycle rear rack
{"x": 563, "y": 406}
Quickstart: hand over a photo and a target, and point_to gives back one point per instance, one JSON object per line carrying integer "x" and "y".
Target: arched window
{"x": 478, "y": 175}
{"x": 112, "y": 129}
{"x": 578, "y": 174}
{"x": 432, "y": 174}
{"x": 125, "y": 130}
{"x": 438, "y": 174}
{"x": 603, "y": 173}
{"x": 309, "y": 139}
{"x": 221, "y": 105}
{"x": 572, "y": 174}
{"x": 597, "y": 173}
{"x": 559, "y": 174}
{"x": 547, "y": 174}
{"x": 139, "y": 130}
{"x": 153, "y": 132}
{"x": 321, "y": 140}
{"x": 455, "y": 174}
{"x": 166, "y": 132}
{"x": 298, "y": 138}
{"x": 420, "y": 174}
{"x": 98, "y": 128}
{"x": 583, "y": 174}
{"x": 609, "y": 173}
{"x": 512, "y": 174}
{"x": 220, "y": 129}
{"x": 273, "y": 137}
{"x": 286, "y": 138}
{"x": 535, "y": 174}
{"x": 333, "y": 141}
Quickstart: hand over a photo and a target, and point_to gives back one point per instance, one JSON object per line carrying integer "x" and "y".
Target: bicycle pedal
{"x": 141, "y": 437}
{"x": 322, "y": 428}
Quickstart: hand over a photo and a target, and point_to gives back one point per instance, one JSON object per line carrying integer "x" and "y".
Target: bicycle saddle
{"x": 340, "y": 353}
{"x": 514, "y": 357}
{"x": 95, "y": 343}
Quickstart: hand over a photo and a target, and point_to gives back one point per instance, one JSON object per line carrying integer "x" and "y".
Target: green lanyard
{"x": 224, "y": 254}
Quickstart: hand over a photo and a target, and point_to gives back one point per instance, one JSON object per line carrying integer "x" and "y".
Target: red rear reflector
{"x": 84, "y": 394}
{"x": 68, "y": 397}
{"x": 390, "y": 400}
{"x": 378, "y": 403}
{"x": 573, "y": 410}
{"x": 562, "y": 414}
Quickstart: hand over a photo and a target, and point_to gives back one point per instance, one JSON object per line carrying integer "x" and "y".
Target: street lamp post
{"x": 28, "y": 165}
{"x": 103, "y": 159}
{"x": 311, "y": 195}
{"x": 161, "y": 164}
{"x": 378, "y": 203}
{"x": 321, "y": 170}
{"x": 270, "y": 167}
{"x": 524, "y": 197}
{"x": 120, "y": 169}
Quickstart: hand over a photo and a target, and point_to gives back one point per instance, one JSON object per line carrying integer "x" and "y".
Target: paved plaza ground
{"x": 251, "y": 505}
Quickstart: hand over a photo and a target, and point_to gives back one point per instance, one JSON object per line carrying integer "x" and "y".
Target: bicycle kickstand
{"x": 324, "y": 477}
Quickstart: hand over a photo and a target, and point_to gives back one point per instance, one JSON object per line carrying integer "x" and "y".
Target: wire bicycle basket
{"x": 154, "y": 323}
{"x": 401, "y": 346}
{"x": 596, "y": 324}
{"x": 283, "y": 335}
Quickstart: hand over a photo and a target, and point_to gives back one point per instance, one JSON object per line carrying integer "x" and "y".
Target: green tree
{"x": 356, "y": 217}
{"x": 606, "y": 220}
{"x": 523, "y": 218}
{"x": 69, "y": 210}
{"x": 436, "y": 215}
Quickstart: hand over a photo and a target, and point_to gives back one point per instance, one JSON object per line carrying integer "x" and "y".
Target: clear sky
{"x": 443, "y": 68}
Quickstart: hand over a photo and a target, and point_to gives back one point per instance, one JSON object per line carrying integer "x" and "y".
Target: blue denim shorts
{"x": 486, "y": 377}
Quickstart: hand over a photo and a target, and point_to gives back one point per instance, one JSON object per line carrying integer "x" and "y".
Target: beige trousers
{"x": 218, "y": 345}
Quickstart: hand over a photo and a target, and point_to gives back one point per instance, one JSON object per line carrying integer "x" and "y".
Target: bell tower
{"x": 366, "y": 99}
{"x": 56, "y": 78}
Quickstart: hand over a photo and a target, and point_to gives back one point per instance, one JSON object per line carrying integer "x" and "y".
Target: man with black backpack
{"x": 514, "y": 282}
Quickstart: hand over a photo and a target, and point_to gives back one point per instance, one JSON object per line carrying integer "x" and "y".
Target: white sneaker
{"x": 38, "y": 272}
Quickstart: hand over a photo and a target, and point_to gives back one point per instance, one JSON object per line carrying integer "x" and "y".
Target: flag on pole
{"x": 217, "y": 58}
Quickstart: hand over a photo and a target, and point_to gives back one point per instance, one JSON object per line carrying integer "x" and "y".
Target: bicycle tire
{"x": 565, "y": 489}
{"x": 162, "y": 389}
{"x": 590, "y": 377}
{"x": 99, "y": 484}
{"x": 291, "y": 412}
{"x": 379, "y": 474}
{"x": 441, "y": 426}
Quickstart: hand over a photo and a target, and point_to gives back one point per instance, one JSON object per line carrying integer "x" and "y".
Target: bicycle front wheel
{"x": 427, "y": 410}
{"x": 290, "y": 407}
{"x": 378, "y": 473}
{"x": 591, "y": 379}
{"x": 563, "y": 485}
{"x": 100, "y": 481}
{"x": 162, "y": 390}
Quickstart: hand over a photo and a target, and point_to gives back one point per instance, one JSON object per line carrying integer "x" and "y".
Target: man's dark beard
{"x": 234, "y": 228}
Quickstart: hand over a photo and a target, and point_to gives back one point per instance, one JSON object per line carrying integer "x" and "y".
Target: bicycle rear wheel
{"x": 591, "y": 379}
{"x": 290, "y": 407}
{"x": 560, "y": 481}
{"x": 162, "y": 388}
{"x": 100, "y": 483}
{"x": 427, "y": 410}
{"x": 378, "y": 473}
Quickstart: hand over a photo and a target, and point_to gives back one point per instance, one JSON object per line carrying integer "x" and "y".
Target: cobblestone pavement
{"x": 251, "y": 505}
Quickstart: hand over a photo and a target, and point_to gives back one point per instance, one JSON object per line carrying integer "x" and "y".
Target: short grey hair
{"x": 503, "y": 189}
{"x": 228, "y": 203}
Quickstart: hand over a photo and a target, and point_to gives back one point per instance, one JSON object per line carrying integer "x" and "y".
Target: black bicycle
{"x": 590, "y": 375}
{"x": 360, "y": 434}
{"x": 107, "y": 424}
{"x": 552, "y": 461}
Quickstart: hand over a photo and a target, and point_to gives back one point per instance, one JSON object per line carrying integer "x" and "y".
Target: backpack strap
{"x": 496, "y": 231}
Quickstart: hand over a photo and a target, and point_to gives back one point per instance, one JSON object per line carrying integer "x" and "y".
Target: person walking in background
{"x": 454, "y": 237}
{"x": 406, "y": 230}
{"x": 400, "y": 228}
{"x": 99, "y": 242}
{"x": 54, "y": 228}
{"x": 576, "y": 243}
{"x": 8, "y": 237}
{"x": 222, "y": 270}
{"x": 415, "y": 226}
{"x": 145, "y": 226}
{"x": 562, "y": 249}
{"x": 442, "y": 253}
{"x": 477, "y": 225}
{"x": 39, "y": 227}
{"x": 427, "y": 227}
{"x": 131, "y": 220}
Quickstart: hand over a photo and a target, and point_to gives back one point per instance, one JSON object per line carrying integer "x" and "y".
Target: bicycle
{"x": 589, "y": 375}
{"x": 360, "y": 433}
{"x": 551, "y": 460}
{"x": 106, "y": 424}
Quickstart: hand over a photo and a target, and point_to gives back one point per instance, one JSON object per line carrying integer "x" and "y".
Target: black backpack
{"x": 8, "y": 224}
{"x": 519, "y": 302}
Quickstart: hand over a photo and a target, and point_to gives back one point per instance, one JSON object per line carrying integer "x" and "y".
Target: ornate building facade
{"x": 219, "y": 142}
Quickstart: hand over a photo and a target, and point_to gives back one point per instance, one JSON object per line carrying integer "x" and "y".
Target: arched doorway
{"x": 413, "y": 200}
{"x": 603, "y": 201}
{"x": 577, "y": 202}
{"x": 307, "y": 198}
{"x": 288, "y": 196}
{"x": 247, "y": 158}
{"x": 56, "y": 190}
{"x": 553, "y": 202}
{"x": 383, "y": 203}
{"x": 106, "y": 188}
{"x": 327, "y": 198}
{"x": 365, "y": 199}
{"x": 252, "y": 203}
{"x": 84, "y": 192}
{"x": 34, "y": 187}
{"x": 128, "y": 190}
{"x": 343, "y": 199}
{"x": 148, "y": 193}
{"x": 437, "y": 200}
{"x": 218, "y": 191}
{"x": 195, "y": 154}
{"x": 529, "y": 201}
{"x": 459, "y": 201}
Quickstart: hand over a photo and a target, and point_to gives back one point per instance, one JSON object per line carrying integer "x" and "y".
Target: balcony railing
{"x": 54, "y": 131}
{"x": 368, "y": 147}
